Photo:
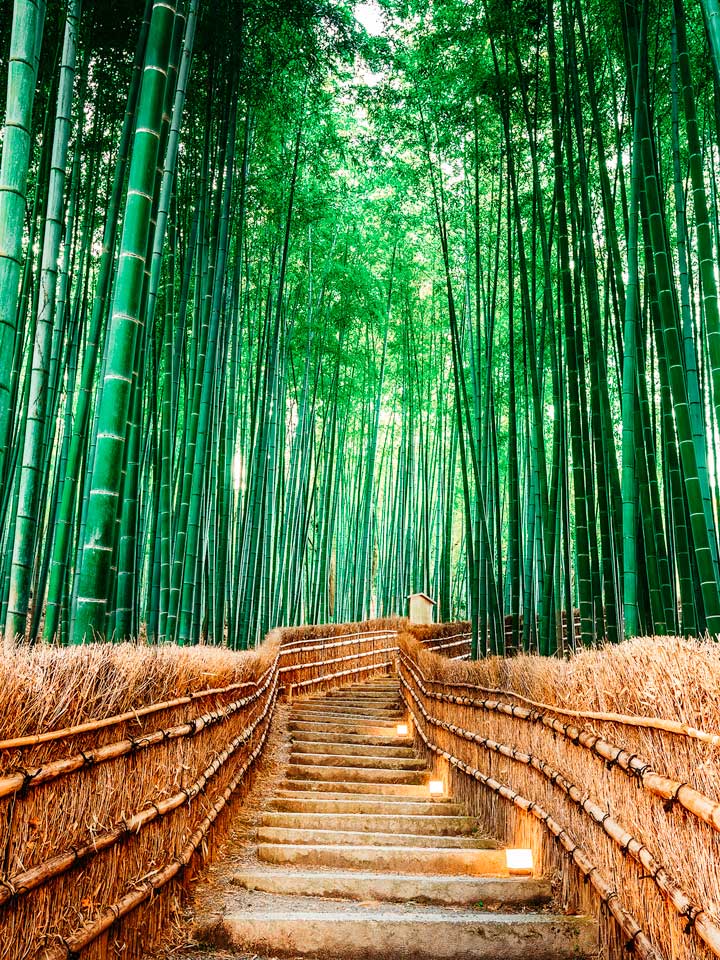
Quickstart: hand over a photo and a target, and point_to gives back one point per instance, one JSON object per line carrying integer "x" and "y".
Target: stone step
{"x": 383, "y": 823}
{"x": 354, "y": 932}
{"x": 327, "y": 837}
{"x": 398, "y": 887}
{"x": 347, "y": 717}
{"x": 476, "y": 863}
{"x": 357, "y": 760}
{"x": 364, "y": 730}
{"x": 341, "y": 708}
{"x": 371, "y": 699}
{"x": 320, "y": 736}
{"x": 315, "y": 771}
{"x": 352, "y": 749}
{"x": 353, "y": 788}
{"x": 338, "y": 803}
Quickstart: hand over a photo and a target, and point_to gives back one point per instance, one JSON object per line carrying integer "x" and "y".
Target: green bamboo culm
{"x": 33, "y": 459}
{"x": 115, "y": 390}
{"x": 25, "y": 43}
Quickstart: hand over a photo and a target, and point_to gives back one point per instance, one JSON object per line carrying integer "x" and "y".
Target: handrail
{"x": 667, "y": 789}
{"x": 627, "y": 720}
{"x": 366, "y": 638}
{"x": 90, "y": 726}
{"x": 608, "y": 894}
{"x": 707, "y": 929}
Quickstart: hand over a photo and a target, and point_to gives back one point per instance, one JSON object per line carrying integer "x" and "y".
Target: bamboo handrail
{"x": 361, "y": 638}
{"x": 642, "y": 945}
{"x": 324, "y": 663}
{"x": 335, "y": 636}
{"x": 706, "y": 928}
{"x": 337, "y": 676}
{"x": 28, "y": 880}
{"x": 90, "y": 726}
{"x": 667, "y": 789}
{"x": 69, "y": 947}
{"x": 628, "y": 720}
{"x": 23, "y": 779}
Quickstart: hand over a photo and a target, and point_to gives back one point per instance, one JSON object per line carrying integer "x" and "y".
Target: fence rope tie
{"x": 88, "y": 757}
{"x": 669, "y": 804}
{"x": 691, "y": 913}
{"x": 28, "y": 777}
{"x": 630, "y": 945}
{"x": 10, "y": 887}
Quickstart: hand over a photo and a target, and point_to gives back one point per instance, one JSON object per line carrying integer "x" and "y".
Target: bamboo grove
{"x": 306, "y": 305}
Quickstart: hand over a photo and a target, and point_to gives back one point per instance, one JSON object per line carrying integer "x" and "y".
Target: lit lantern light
{"x": 436, "y": 788}
{"x": 402, "y": 729}
{"x": 519, "y": 862}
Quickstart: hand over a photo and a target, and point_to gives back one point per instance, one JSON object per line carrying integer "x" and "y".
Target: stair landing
{"x": 354, "y": 859}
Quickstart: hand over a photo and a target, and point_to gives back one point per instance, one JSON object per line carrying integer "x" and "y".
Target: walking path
{"x": 354, "y": 859}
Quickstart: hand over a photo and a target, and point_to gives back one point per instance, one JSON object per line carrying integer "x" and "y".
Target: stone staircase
{"x": 355, "y": 859}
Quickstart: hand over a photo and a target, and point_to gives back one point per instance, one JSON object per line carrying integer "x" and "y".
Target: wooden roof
{"x": 424, "y": 596}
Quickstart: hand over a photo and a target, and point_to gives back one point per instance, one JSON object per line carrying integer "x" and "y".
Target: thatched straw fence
{"x": 606, "y": 765}
{"x": 118, "y": 765}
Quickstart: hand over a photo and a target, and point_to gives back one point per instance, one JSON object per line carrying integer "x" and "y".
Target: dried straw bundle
{"x": 116, "y": 762}
{"x": 294, "y": 636}
{"x": 662, "y": 858}
{"x": 127, "y": 817}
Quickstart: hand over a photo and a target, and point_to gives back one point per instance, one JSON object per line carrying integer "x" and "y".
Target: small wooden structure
{"x": 421, "y": 608}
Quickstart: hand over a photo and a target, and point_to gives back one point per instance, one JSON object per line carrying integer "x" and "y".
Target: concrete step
{"x": 307, "y": 803}
{"x": 327, "y": 837}
{"x": 398, "y": 887}
{"x": 354, "y": 932}
{"x": 341, "y": 708}
{"x": 352, "y": 749}
{"x": 354, "y": 788}
{"x": 383, "y": 823}
{"x": 369, "y": 699}
{"x": 364, "y": 730}
{"x": 320, "y": 736}
{"x": 316, "y": 771}
{"x": 357, "y": 760}
{"x": 347, "y": 717}
{"x": 475, "y": 863}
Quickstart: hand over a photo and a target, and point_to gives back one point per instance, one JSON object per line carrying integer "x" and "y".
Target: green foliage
{"x": 415, "y": 308}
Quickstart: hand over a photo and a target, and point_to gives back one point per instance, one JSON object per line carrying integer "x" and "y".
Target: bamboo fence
{"x": 619, "y": 805}
{"x": 118, "y": 765}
